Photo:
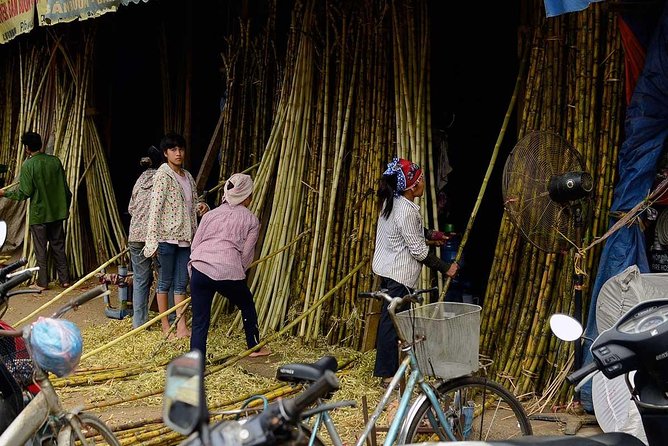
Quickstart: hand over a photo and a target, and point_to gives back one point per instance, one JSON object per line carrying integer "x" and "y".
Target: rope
{"x": 630, "y": 217}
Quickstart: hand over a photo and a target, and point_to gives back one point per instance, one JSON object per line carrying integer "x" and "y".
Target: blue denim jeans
{"x": 173, "y": 261}
{"x": 142, "y": 280}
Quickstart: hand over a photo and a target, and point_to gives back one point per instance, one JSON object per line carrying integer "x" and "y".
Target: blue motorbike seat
{"x": 301, "y": 373}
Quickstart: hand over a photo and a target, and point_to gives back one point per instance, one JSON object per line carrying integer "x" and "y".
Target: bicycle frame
{"x": 415, "y": 379}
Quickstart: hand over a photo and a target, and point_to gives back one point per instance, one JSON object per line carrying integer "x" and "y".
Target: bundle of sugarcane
{"x": 573, "y": 73}
{"x": 354, "y": 214}
{"x": 284, "y": 163}
{"x": 7, "y": 120}
{"x": 336, "y": 113}
{"x": 248, "y": 104}
{"x": 107, "y": 230}
{"x": 411, "y": 50}
{"x": 53, "y": 88}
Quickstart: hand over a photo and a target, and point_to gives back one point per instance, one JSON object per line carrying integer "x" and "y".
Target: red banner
{"x": 16, "y": 17}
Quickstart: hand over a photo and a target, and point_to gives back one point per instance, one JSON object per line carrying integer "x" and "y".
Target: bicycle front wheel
{"x": 95, "y": 431}
{"x": 475, "y": 408}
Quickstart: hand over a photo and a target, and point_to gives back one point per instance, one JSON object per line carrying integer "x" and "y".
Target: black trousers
{"x": 53, "y": 234}
{"x": 202, "y": 289}
{"x": 387, "y": 351}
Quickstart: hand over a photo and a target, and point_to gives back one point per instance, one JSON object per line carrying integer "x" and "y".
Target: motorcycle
{"x": 185, "y": 411}
{"x": 637, "y": 342}
{"x": 17, "y": 387}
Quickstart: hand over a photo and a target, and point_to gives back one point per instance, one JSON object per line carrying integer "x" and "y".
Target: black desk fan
{"x": 546, "y": 195}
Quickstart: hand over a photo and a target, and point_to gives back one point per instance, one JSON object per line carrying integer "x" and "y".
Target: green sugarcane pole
{"x": 490, "y": 167}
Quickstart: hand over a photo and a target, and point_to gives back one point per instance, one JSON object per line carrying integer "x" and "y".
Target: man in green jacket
{"x": 43, "y": 180}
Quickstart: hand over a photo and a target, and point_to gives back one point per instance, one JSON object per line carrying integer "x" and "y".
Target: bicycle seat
{"x": 300, "y": 372}
{"x": 607, "y": 439}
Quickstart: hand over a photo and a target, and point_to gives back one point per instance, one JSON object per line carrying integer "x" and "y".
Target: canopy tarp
{"x": 554, "y": 8}
{"x": 646, "y": 131}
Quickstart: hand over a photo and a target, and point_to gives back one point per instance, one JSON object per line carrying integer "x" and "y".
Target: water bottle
{"x": 449, "y": 254}
{"x": 451, "y": 246}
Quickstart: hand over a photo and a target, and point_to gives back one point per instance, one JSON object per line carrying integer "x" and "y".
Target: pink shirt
{"x": 224, "y": 244}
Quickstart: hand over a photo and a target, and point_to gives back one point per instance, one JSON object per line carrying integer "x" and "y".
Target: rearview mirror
{"x": 184, "y": 405}
{"x": 3, "y": 233}
{"x": 565, "y": 327}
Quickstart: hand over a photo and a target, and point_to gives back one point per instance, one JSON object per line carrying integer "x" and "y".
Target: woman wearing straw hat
{"x": 222, "y": 250}
{"x": 401, "y": 250}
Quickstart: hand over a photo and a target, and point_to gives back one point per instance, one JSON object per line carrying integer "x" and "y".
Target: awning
{"x": 18, "y": 16}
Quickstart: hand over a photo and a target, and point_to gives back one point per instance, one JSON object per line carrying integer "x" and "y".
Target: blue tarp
{"x": 646, "y": 130}
{"x": 554, "y": 8}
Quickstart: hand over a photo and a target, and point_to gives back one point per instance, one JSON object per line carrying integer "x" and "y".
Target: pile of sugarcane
{"x": 574, "y": 89}
{"x": 352, "y": 91}
{"x": 52, "y": 83}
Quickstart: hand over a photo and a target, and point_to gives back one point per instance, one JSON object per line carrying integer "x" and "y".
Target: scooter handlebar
{"x": 11, "y": 267}
{"x": 582, "y": 373}
{"x": 294, "y": 407}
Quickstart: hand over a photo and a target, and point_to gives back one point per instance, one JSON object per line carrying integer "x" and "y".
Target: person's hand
{"x": 2, "y": 192}
{"x": 435, "y": 242}
{"x": 453, "y": 270}
{"x": 202, "y": 208}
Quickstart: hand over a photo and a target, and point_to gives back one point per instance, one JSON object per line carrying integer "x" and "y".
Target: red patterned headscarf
{"x": 408, "y": 174}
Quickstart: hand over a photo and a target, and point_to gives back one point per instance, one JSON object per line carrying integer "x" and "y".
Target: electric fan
{"x": 546, "y": 194}
{"x": 546, "y": 191}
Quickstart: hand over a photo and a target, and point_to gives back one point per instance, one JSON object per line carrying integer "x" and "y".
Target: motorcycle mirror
{"x": 565, "y": 327}
{"x": 184, "y": 406}
{"x": 3, "y": 232}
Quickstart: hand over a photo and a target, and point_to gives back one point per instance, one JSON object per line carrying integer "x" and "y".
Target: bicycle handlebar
{"x": 81, "y": 299}
{"x": 395, "y": 302}
{"x": 295, "y": 406}
{"x": 11, "y": 267}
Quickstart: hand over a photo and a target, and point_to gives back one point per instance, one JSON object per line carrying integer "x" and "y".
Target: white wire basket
{"x": 452, "y": 336}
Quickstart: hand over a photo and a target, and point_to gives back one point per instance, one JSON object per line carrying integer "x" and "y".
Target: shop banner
{"x": 59, "y": 11}
{"x": 16, "y": 17}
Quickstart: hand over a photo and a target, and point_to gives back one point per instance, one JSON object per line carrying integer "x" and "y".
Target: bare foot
{"x": 180, "y": 334}
{"x": 264, "y": 351}
{"x": 169, "y": 336}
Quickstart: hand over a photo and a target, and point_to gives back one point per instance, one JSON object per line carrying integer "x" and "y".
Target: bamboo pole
{"x": 490, "y": 167}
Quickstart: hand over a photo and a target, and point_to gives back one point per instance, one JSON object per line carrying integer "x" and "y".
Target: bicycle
{"x": 455, "y": 409}
{"x": 43, "y": 420}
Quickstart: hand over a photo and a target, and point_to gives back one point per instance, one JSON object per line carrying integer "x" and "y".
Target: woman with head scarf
{"x": 401, "y": 250}
{"x": 222, "y": 250}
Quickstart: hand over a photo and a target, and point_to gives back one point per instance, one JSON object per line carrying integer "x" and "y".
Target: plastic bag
{"x": 56, "y": 345}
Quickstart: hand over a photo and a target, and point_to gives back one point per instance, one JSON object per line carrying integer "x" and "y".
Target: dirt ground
{"x": 92, "y": 315}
